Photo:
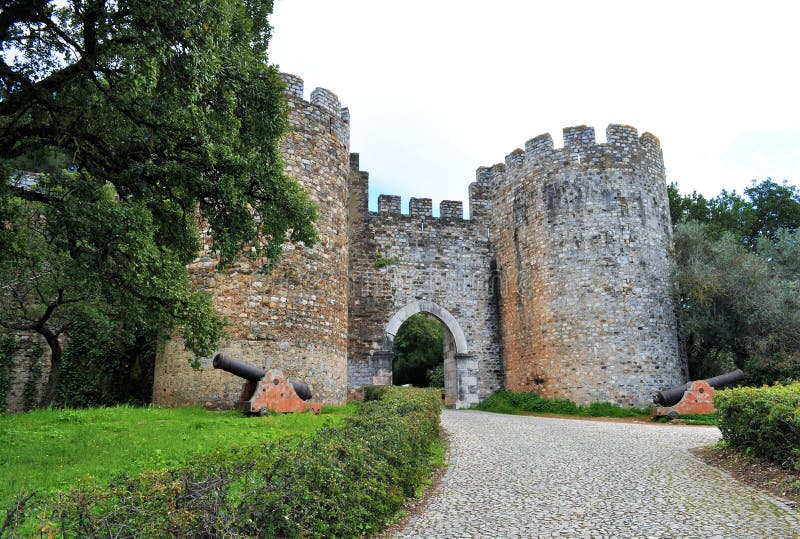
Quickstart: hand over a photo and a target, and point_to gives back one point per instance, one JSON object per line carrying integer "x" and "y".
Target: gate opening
{"x": 459, "y": 367}
{"x": 419, "y": 352}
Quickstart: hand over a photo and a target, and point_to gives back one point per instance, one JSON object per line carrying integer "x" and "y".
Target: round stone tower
{"x": 582, "y": 238}
{"x": 294, "y": 319}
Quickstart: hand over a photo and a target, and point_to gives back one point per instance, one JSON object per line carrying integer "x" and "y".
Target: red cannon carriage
{"x": 267, "y": 390}
{"x": 694, "y": 397}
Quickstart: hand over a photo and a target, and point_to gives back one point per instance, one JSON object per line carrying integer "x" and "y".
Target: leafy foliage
{"x": 508, "y": 402}
{"x": 342, "y": 481}
{"x": 763, "y": 422}
{"x": 778, "y": 367}
{"x": 436, "y": 376}
{"x": 418, "y": 347}
{"x": 738, "y": 275}
{"x": 762, "y": 212}
{"x": 31, "y": 388}
{"x": 382, "y": 261}
{"x": 138, "y": 115}
{"x": 736, "y": 304}
{"x": 107, "y": 364}
{"x": 91, "y": 257}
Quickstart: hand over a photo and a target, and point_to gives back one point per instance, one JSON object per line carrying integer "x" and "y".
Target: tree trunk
{"x": 54, "y": 376}
{"x": 740, "y": 355}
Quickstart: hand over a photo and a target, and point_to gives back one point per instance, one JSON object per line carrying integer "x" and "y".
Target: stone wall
{"x": 296, "y": 318}
{"x": 27, "y": 370}
{"x": 564, "y": 261}
{"x": 397, "y": 260}
{"x": 557, "y": 283}
{"x": 582, "y": 236}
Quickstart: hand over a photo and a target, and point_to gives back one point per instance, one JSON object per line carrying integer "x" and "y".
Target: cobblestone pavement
{"x": 519, "y": 476}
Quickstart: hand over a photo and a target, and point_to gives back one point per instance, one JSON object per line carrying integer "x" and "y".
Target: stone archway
{"x": 460, "y": 367}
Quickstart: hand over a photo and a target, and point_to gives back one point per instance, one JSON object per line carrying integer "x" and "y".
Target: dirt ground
{"x": 757, "y": 473}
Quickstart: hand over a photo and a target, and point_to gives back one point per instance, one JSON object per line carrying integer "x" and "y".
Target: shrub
{"x": 508, "y": 402}
{"x": 763, "y": 422}
{"x": 343, "y": 481}
{"x": 783, "y": 368}
{"x": 436, "y": 376}
{"x": 375, "y": 393}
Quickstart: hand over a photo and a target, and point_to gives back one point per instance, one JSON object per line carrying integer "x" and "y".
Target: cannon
{"x": 267, "y": 390}
{"x": 693, "y": 397}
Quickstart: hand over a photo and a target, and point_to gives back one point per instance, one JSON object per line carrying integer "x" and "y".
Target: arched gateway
{"x": 557, "y": 281}
{"x": 402, "y": 264}
{"x": 460, "y": 367}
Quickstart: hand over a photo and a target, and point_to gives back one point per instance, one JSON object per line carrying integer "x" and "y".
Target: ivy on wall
{"x": 105, "y": 364}
{"x": 7, "y": 348}
{"x": 381, "y": 260}
{"x": 30, "y": 393}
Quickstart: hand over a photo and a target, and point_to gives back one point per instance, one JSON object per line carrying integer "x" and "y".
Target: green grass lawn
{"x": 694, "y": 419}
{"x": 49, "y": 450}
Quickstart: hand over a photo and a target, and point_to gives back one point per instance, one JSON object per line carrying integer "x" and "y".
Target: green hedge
{"x": 764, "y": 422}
{"x": 508, "y": 402}
{"x": 339, "y": 482}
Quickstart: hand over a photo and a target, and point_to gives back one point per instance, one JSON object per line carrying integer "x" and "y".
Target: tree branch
{"x": 63, "y": 35}
{"x": 31, "y": 196}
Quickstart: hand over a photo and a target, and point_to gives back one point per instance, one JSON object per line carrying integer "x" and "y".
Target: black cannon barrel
{"x": 727, "y": 379}
{"x": 254, "y": 374}
{"x": 671, "y": 396}
{"x": 301, "y": 388}
{"x": 239, "y": 368}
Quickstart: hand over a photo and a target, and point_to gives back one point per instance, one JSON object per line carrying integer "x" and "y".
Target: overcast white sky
{"x": 437, "y": 88}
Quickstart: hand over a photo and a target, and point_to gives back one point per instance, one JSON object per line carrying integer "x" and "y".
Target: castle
{"x": 557, "y": 283}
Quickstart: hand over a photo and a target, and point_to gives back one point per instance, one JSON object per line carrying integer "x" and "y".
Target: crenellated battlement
{"x": 320, "y": 97}
{"x": 327, "y": 100}
{"x": 451, "y": 209}
{"x": 558, "y": 282}
{"x": 420, "y": 208}
{"x": 391, "y": 205}
{"x": 623, "y": 145}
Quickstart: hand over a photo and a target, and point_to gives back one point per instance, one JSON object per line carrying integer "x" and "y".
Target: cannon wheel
{"x": 673, "y": 414}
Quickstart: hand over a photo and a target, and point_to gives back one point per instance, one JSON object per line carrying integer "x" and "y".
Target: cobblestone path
{"x": 517, "y": 476}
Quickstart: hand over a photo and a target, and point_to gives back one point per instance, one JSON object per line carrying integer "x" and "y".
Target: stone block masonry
{"x": 557, "y": 283}
{"x": 441, "y": 266}
{"x": 296, "y": 318}
{"x": 26, "y": 371}
{"x": 582, "y": 247}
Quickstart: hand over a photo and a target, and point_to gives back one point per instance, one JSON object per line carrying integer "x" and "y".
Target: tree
{"x": 91, "y": 258}
{"x": 142, "y": 114}
{"x": 418, "y": 347}
{"x": 737, "y": 306}
{"x": 775, "y": 208}
{"x": 684, "y": 208}
{"x": 738, "y": 273}
{"x": 765, "y": 209}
